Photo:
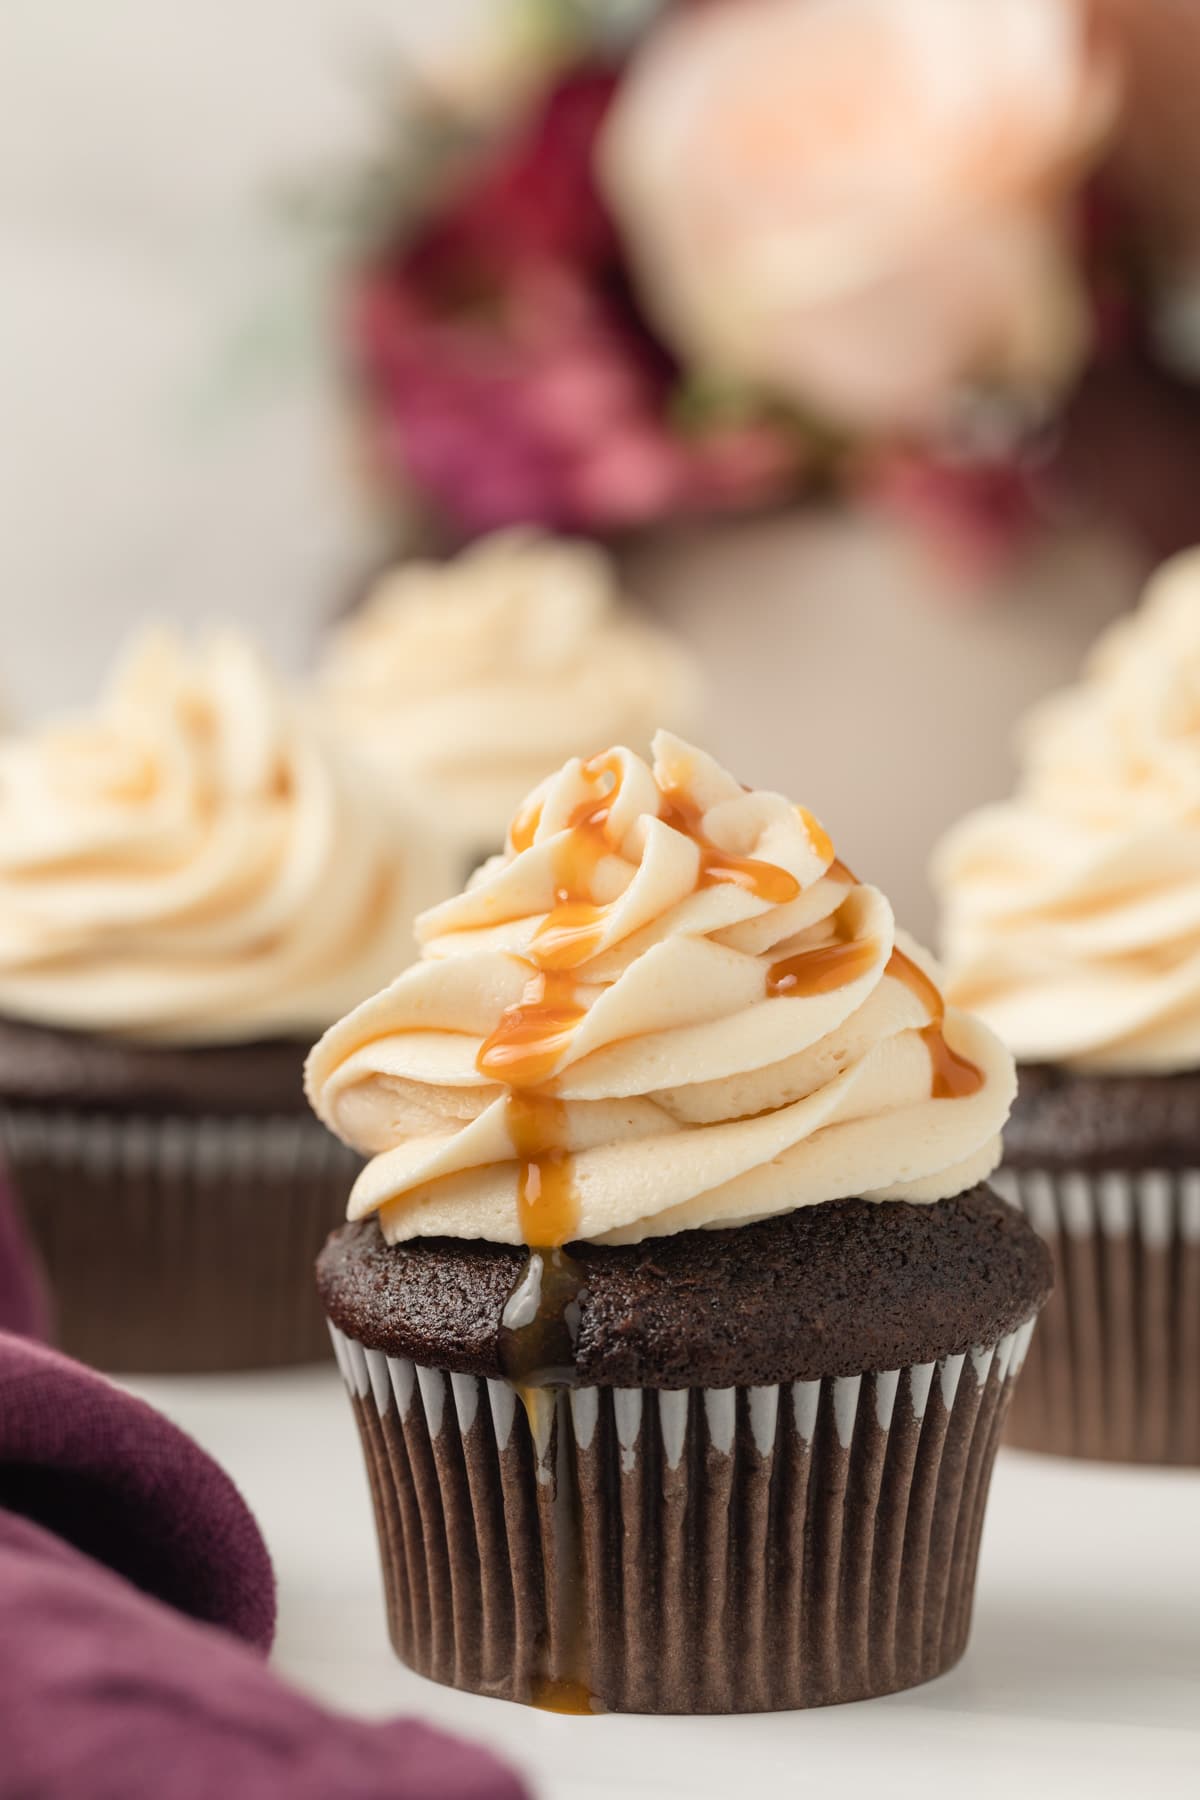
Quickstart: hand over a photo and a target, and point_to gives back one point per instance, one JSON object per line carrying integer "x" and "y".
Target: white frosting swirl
{"x": 1072, "y": 912}
{"x": 471, "y": 680}
{"x": 667, "y": 1002}
{"x": 192, "y": 863}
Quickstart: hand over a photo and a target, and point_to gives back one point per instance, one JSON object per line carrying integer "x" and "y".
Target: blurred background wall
{"x": 171, "y": 437}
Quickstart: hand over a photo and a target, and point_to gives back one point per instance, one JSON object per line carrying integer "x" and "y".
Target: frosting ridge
{"x": 1072, "y": 911}
{"x": 191, "y": 862}
{"x": 665, "y": 1005}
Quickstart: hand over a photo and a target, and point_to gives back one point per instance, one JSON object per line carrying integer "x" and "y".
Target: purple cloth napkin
{"x": 122, "y": 1548}
{"x": 105, "y": 1695}
{"x": 23, "y": 1302}
{"x": 106, "y": 1473}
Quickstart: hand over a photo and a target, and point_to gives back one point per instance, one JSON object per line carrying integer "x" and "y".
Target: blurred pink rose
{"x": 860, "y": 204}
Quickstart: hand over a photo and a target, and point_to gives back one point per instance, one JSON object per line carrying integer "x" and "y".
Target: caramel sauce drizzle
{"x": 953, "y": 1077}
{"x": 547, "y": 1205}
{"x": 522, "y": 1053}
{"x": 523, "y": 829}
{"x": 825, "y": 967}
{"x": 563, "y": 1697}
{"x": 903, "y": 968}
{"x": 531, "y": 1036}
{"x": 820, "y": 839}
{"x": 570, "y": 933}
{"x": 766, "y": 880}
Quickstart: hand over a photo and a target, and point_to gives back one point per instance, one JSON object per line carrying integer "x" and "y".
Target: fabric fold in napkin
{"x": 106, "y": 1695}
{"x": 106, "y": 1473}
{"x": 136, "y": 1599}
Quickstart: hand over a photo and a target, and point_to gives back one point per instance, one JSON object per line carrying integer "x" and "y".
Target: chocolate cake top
{"x": 835, "y": 1289}
{"x": 43, "y": 1066}
{"x": 1064, "y": 1119}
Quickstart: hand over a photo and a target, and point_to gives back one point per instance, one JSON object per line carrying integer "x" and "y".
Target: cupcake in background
{"x": 1072, "y": 925}
{"x": 469, "y": 681}
{"x": 679, "y": 1323}
{"x": 191, "y": 882}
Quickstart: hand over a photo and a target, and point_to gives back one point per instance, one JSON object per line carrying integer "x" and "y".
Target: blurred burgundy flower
{"x": 975, "y": 512}
{"x": 507, "y": 373}
{"x": 1128, "y": 454}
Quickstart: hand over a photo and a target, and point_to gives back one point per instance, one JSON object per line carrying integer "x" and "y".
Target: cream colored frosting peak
{"x": 473, "y": 679}
{"x": 666, "y": 1004}
{"x": 1072, "y": 912}
{"x": 190, "y": 862}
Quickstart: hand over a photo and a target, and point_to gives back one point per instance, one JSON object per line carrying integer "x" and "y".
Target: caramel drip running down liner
{"x": 563, "y": 1422}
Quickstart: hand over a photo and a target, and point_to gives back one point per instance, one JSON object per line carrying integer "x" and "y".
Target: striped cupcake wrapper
{"x": 1115, "y": 1372}
{"x": 705, "y": 1550}
{"x": 177, "y": 1245}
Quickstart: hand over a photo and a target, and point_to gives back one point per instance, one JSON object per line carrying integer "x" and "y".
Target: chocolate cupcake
{"x": 469, "y": 681}
{"x": 678, "y": 1325}
{"x": 1073, "y": 927}
{"x": 191, "y": 881}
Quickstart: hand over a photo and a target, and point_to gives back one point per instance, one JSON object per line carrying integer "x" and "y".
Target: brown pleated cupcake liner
{"x": 178, "y": 1245}
{"x": 1115, "y": 1372}
{"x": 706, "y": 1550}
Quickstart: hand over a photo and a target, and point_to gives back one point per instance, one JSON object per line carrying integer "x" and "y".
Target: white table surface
{"x": 1082, "y": 1677}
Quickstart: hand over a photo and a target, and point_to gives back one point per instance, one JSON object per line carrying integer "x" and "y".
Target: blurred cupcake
{"x": 1073, "y": 927}
{"x": 679, "y": 1324}
{"x": 190, "y": 883}
{"x": 469, "y": 681}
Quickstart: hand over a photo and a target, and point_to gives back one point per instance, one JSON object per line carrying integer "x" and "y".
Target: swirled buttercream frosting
{"x": 191, "y": 862}
{"x": 1072, "y": 911}
{"x": 665, "y": 1005}
{"x": 473, "y": 679}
